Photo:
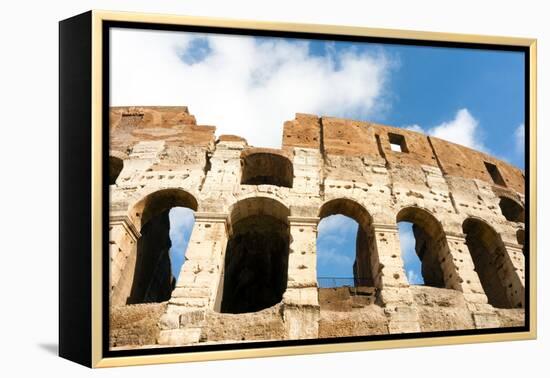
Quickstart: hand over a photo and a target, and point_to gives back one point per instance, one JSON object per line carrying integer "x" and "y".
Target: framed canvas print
{"x": 232, "y": 189}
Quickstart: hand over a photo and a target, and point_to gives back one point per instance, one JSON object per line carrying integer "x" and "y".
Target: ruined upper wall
{"x": 343, "y": 137}
{"x": 175, "y": 126}
{"x": 171, "y": 124}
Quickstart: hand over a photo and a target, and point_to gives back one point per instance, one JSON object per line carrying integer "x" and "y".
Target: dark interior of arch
{"x": 153, "y": 280}
{"x": 488, "y": 257}
{"x": 427, "y": 249}
{"x": 429, "y": 244}
{"x": 256, "y": 265}
{"x": 115, "y": 167}
{"x": 267, "y": 169}
{"x": 512, "y": 210}
{"x": 362, "y": 266}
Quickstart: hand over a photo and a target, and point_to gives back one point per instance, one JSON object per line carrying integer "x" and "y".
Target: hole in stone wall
{"x": 165, "y": 225}
{"x": 423, "y": 247}
{"x": 256, "y": 264}
{"x": 256, "y": 258}
{"x": 512, "y": 210}
{"x": 488, "y": 255}
{"x": 337, "y": 244}
{"x": 160, "y": 255}
{"x": 267, "y": 169}
{"x": 494, "y": 173}
{"x": 344, "y": 245}
{"x": 397, "y": 142}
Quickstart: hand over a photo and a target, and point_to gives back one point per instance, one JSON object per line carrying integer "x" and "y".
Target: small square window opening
{"x": 495, "y": 174}
{"x": 397, "y": 143}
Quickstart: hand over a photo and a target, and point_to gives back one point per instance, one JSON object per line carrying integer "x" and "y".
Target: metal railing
{"x": 328, "y": 282}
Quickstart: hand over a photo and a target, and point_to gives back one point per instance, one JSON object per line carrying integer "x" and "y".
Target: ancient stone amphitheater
{"x": 250, "y": 269}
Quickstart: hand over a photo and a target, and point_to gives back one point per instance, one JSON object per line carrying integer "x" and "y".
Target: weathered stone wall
{"x": 135, "y": 325}
{"x": 326, "y": 166}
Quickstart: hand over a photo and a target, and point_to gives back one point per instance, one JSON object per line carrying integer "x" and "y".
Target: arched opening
{"x": 423, "y": 247}
{"x": 165, "y": 219}
{"x": 489, "y": 256}
{"x": 512, "y": 210}
{"x": 115, "y": 167}
{"x": 256, "y": 257}
{"x": 266, "y": 167}
{"x": 520, "y": 235}
{"x": 344, "y": 245}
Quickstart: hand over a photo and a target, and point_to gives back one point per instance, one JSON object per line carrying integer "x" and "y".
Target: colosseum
{"x": 250, "y": 266}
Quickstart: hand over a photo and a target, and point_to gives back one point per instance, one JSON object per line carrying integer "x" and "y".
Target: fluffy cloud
{"x": 407, "y": 241}
{"x": 462, "y": 129}
{"x": 331, "y": 256}
{"x": 243, "y": 85}
{"x": 337, "y": 224}
{"x": 336, "y": 249}
{"x": 181, "y": 225}
{"x": 411, "y": 261}
{"x": 414, "y": 127}
{"x": 519, "y": 136}
{"x": 414, "y": 278}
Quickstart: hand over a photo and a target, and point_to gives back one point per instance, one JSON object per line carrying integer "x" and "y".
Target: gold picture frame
{"x": 82, "y": 243}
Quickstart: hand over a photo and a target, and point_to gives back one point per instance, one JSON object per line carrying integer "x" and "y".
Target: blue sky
{"x": 181, "y": 225}
{"x": 250, "y": 86}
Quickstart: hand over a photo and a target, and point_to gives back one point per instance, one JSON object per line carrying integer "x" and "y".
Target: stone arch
{"x": 364, "y": 248}
{"x": 115, "y": 167}
{"x": 266, "y": 166}
{"x": 491, "y": 262}
{"x": 148, "y": 275}
{"x": 431, "y": 245}
{"x": 256, "y": 258}
{"x": 159, "y": 201}
{"x": 512, "y": 210}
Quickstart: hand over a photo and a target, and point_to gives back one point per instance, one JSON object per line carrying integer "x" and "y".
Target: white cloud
{"x": 414, "y": 278}
{"x": 519, "y": 136}
{"x": 331, "y": 256}
{"x": 462, "y": 129}
{"x": 337, "y": 224}
{"x": 181, "y": 223}
{"x": 407, "y": 241}
{"x": 414, "y": 127}
{"x": 242, "y": 85}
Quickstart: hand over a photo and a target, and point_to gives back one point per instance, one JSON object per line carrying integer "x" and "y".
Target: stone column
{"x": 301, "y": 299}
{"x": 123, "y": 237}
{"x": 513, "y": 272}
{"x": 466, "y": 280}
{"x": 389, "y": 276}
{"x": 198, "y": 289}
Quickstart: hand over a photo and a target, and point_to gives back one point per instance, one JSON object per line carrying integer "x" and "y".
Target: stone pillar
{"x": 466, "y": 280}
{"x": 198, "y": 287}
{"x": 389, "y": 276}
{"x": 513, "y": 272}
{"x": 123, "y": 237}
{"x": 301, "y": 298}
